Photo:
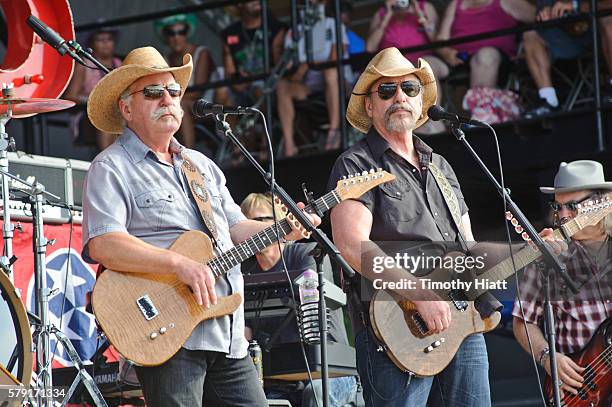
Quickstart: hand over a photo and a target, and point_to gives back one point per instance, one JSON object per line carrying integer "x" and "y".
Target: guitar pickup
{"x": 147, "y": 308}
{"x": 421, "y": 325}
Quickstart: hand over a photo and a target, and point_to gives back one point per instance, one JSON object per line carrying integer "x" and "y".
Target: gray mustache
{"x": 395, "y": 107}
{"x": 175, "y": 111}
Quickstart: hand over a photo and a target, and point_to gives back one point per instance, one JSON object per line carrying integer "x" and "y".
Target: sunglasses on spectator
{"x": 263, "y": 218}
{"x": 174, "y": 33}
{"x": 572, "y": 206}
{"x": 157, "y": 91}
{"x": 387, "y": 90}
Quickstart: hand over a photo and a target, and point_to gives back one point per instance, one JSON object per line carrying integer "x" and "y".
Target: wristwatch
{"x": 543, "y": 354}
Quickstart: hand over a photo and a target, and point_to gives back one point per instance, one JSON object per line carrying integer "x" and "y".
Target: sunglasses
{"x": 157, "y": 91}
{"x": 387, "y": 90}
{"x": 263, "y": 218}
{"x": 174, "y": 33}
{"x": 572, "y": 206}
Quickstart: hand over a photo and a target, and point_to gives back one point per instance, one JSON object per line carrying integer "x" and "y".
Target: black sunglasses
{"x": 157, "y": 91}
{"x": 572, "y": 206}
{"x": 263, "y": 218}
{"x": 173, "y": 33}
{"x": 387, "y": 90}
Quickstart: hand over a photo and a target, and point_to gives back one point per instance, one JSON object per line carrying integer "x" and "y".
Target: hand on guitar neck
{"x": 200, "y": 278}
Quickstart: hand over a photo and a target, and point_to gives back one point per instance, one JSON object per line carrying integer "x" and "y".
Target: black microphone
{"x": 48, "y": 35}
{"x": 202, "y": 107}
{"x": 436, "y": 113}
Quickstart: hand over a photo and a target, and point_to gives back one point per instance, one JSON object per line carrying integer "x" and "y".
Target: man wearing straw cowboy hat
{"x": 588, "y": 263}
{"x": 143, "y": 192}
{"x": 424, "y": 203}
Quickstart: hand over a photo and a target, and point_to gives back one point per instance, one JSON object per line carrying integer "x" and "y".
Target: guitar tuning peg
{"x": 514, "y": 222}
{"x": 371, "y": 170}
{"x": 343, "y": 177}
{"x": 509, "y": 215}
{"x": 518, "y": 229}
{"x": 525, "y": 236}
{"x": 379, "y": 170}
{"x": 351, "y": 176}
{"x": 364, "y": 173}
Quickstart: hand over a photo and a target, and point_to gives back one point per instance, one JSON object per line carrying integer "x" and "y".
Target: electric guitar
{"x": 148, "y": 316}
{"x": 404, "y": 334}
{"x": 596, "y": 357}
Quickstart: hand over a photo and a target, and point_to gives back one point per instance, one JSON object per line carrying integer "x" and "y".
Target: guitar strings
{"x": 329, "y": 200}
{"x": 597, "y": 372}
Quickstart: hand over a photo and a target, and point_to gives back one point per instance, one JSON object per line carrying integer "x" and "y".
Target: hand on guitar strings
{"x": 200, "y": 279}
{"x": 436, "y": 314}
{"x": 570, "y": 377}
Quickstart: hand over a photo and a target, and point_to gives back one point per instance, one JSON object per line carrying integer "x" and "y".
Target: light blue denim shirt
{"x": 128, "y": 189}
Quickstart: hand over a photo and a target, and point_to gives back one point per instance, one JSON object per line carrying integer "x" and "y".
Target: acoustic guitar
{"x": 404, "y": 334}
{"x": 148, "y": 316}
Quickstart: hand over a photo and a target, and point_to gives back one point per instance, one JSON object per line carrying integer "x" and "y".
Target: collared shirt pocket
{"x": 154, "y": 205}
{"x": 398, "y": 202}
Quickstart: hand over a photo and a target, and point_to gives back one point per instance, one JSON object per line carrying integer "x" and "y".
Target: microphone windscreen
{"x": 436, "y": 112}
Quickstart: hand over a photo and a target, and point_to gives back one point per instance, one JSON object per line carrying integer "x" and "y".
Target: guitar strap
{"x": 197, "y": 186}
{"x": 450, "y": 198}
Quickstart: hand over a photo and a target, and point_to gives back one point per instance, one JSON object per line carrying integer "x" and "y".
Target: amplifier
{"x": 61, "y": 177}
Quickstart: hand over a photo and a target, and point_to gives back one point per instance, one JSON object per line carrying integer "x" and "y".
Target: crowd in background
{"x": 485, "y": 65}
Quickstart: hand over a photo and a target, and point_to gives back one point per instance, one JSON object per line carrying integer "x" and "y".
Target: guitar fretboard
{"x": 527, "y": 255}
{"x": 264, "y": 238}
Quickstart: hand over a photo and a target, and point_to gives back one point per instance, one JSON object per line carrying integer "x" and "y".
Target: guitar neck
{"x": 266, "y": 237}
{"x": 522, "y": 258}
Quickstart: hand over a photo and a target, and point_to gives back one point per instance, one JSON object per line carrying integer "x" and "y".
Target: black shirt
{"x": 410, "y": 208}
{"x": 246, "y": 45}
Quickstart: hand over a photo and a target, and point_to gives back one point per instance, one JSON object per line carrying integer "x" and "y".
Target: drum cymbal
{"x": 30, "y": 106}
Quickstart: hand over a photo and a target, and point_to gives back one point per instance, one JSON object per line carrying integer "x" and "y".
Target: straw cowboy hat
{"x": 389, "y": 63}
{"x": 102, "y": 107}
{"x": 577, "y": 176}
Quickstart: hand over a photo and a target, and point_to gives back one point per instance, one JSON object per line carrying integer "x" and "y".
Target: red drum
{"x": 28, "y": 57}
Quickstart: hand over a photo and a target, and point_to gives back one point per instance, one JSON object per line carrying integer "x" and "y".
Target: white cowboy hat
{"x": 577, "y": 176}
{"x": 102, "y": 107}
{"x": 389, "y": 63}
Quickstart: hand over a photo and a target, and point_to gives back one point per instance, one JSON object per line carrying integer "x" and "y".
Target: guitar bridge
{"x": 147, "y": 308}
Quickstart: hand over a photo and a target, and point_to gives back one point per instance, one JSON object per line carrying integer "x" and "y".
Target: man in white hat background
{"x": 137, "y": 201}
{"x": 389, "y": 101}
{"x": 577, "y": 317}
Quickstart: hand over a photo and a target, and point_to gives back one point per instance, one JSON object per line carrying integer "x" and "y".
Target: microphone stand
{"x": 549, "y": 257}
{"x": 324, "y": 243}
{"x": 85, "y": 53}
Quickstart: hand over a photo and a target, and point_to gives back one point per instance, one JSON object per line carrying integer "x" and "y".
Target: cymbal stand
{"x": 44, "y": 328}
{"x": 44, "y": 357}
{"x": 6, "y": 143}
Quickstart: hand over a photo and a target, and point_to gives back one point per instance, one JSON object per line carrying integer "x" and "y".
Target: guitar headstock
{"x": 592, "y": 211}
{"x": 355, "y": 185}
{"x": 589, "y": 213}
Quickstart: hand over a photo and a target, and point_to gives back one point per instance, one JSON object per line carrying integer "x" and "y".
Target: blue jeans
{"x": 193, "y": 378}
{"x": 342, "y": 391}
{"x": 463, "y": 383}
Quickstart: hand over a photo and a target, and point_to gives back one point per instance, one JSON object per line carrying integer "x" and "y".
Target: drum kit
{"x": 26, "y": 69}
